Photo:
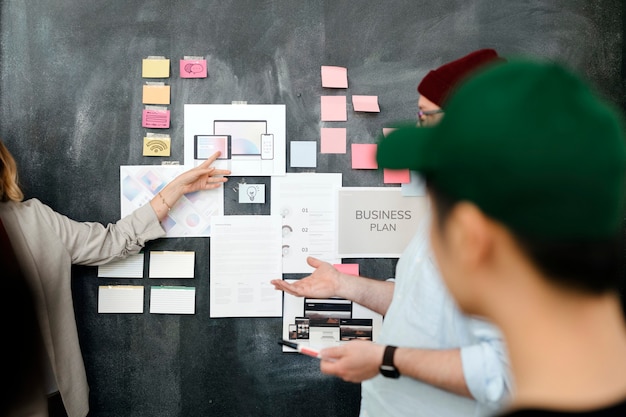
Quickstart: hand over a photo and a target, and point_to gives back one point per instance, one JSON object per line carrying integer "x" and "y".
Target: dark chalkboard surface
{"x": 70, "y": 111}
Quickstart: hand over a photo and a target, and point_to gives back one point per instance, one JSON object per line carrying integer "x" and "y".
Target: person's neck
{"x": 567, "y": 350}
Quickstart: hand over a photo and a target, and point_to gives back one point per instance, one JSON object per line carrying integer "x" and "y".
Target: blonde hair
{"x": 9, "y": 188}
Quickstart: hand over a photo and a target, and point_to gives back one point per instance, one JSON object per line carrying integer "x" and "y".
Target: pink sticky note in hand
{"x": 364, "y": 156}
{"x": 193, "y": 68}
{"x": 333, "y": 140}
{"x": 334, "y": 77}
{"x": 351, "y": 269}
{"x": 365, "y": 103}
{"x": 334, "y": 109}
{"x": 396, "y": 176}
{"x": 156, "y": 119}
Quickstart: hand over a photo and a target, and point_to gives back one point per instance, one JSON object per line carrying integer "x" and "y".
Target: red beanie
{"x": 439, "y": 83}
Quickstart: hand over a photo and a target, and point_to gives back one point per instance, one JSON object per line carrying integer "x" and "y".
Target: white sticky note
{"x": 120, "y": 299}
{"x": 131, "y": 267}
{"x": 171, "y": 264}
{"x": 173, "y": 300}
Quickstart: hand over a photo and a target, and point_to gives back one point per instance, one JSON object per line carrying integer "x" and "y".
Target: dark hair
{"x": 590, "y": 266}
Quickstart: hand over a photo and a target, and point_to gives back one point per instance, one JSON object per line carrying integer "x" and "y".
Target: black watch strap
{"x": 387, "y": 368}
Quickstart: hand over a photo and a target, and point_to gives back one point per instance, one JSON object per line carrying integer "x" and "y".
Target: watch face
{"x": 389, "y": 371}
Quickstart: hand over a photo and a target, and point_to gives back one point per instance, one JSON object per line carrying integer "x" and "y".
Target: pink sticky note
{"x": 334, "y": 109}
{"x": 334, "y": 77}
{"x": 365, "y": 103}
{"x": 388, "y": 130}
{"x": 396, "y": 176}
{"x": 333, "y": 140}
{"x": 364, "y": 156}
{"x": 158, "y": 119}
{"x": 351, "y": 269}
{"x": 193, "y": 68}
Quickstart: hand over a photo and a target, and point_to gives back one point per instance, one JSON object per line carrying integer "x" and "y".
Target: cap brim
{"x": 405, "y": 148}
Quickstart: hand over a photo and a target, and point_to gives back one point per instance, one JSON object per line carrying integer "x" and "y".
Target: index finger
{"x": 213, "y": 157}
{"x": 207, "y": 162}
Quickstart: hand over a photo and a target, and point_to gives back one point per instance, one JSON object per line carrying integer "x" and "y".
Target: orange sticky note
{"x": 364, "y": 156}
{"x": 333, "y": 140}
{"x": 334, "y": 77}
{"x": 156, "y": 94}
{"x": 334, "y": 109}
{"x": 396, "y": 176}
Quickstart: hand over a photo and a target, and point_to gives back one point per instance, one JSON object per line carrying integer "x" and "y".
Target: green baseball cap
{"x": 531, "y": 145}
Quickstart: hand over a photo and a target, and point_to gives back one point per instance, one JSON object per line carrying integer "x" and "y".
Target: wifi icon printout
{"x": 153, "y": 146}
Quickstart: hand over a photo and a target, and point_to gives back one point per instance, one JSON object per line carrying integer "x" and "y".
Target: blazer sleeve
{"x": 92, "y": 243}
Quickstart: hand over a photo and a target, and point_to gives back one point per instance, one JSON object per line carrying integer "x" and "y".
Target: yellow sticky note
{"x": 156, "y": 146}
{"x": 156, "y": 94}
{"x": 155, "y": 68}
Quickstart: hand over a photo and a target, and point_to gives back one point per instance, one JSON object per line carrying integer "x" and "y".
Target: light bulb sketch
{"x": 251, "y": 191}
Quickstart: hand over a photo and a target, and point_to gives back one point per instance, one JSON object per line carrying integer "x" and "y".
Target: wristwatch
{"x": 387, "y": 368}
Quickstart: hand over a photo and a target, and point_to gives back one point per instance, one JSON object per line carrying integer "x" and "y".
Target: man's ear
{"x": 472, "y": 234}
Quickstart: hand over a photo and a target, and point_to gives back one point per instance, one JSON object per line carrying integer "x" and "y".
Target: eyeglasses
{"x": 422, "y": 114}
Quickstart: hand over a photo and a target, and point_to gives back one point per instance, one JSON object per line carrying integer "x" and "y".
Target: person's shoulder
{"x": 31, "y": 203}
{"x": 30, "y": 207}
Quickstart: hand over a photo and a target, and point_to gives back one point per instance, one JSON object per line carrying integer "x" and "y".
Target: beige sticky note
{"x": 156, "y": 146}
{"x": 156, "y": 94}
{"x": 155, "y": 68}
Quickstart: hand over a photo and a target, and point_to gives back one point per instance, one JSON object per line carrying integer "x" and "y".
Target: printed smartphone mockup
{"x": 267, "y": 146}
{"x": 207, "y": 145}
{"x": 293, "y": 334}
{"x": 302, "y": 328}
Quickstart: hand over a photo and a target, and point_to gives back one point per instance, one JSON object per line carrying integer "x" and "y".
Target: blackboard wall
{"x": 70, "y": 111}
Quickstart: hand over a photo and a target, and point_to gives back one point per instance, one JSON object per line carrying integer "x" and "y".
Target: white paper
{"x": 173, "y": 300}
{"x": 120, "y": 299}
{"x": 205, "y": 119}
{"x": 171, "y": 264}
{"x": 130, "y": 267}
{"x": 320, "y": 337}
{"x": 190, "y": 215}
{"x": 245, "y": 256}
{"x": 376, "y": 222}
{"x": 307, "y": 205}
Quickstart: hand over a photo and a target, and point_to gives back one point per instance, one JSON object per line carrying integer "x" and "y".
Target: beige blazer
{"x": 46, "y": 244}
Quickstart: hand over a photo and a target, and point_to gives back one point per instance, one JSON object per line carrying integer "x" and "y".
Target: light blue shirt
{"x": 423, "y": 315}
